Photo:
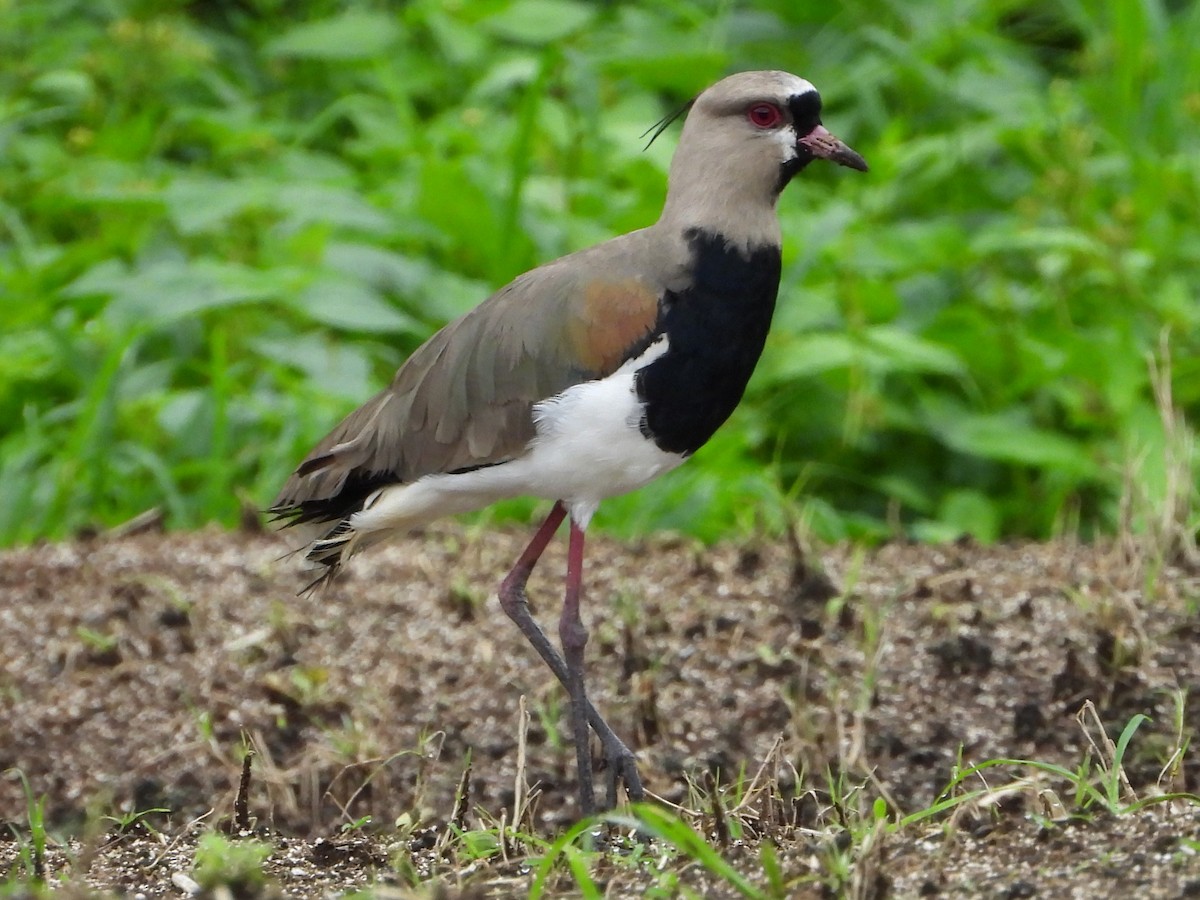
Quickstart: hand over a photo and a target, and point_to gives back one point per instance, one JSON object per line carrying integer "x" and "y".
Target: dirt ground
{"x": 134, "y": 671}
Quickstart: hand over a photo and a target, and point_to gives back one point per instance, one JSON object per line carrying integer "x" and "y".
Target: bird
{"x": 584, "y": 378}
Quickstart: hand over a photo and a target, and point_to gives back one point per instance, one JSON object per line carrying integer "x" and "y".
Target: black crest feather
{"x": 665, "y": 122}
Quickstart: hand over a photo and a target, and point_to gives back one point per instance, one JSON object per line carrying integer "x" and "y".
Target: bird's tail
{"x": 330, "y": 550}
{"x": 333, "y": 531}
{"x": 326, "y": 547}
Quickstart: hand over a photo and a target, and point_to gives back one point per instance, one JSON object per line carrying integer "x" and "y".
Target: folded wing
{"x": 464, "y": 399}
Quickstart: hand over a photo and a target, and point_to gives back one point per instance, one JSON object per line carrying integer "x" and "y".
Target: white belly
{"x": 589, "y": 446}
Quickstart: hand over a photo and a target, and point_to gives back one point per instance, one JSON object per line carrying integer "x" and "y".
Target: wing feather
{"x": 464, "y": 399}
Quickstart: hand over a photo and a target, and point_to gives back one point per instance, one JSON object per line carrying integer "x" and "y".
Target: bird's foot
{"x": 621, "y": 766}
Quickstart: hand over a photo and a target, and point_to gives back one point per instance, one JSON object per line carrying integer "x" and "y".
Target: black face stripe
{"x": 806, "y": 111}
{"x": 806, "y": 115}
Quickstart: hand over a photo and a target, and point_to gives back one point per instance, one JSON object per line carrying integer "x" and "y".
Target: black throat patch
{"x": 715, "y": 330}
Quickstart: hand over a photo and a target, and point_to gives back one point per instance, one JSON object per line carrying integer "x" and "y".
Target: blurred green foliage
{"x": 224, "y": 223}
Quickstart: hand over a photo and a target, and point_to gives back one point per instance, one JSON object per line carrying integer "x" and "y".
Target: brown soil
{"x": 133, "y": 671}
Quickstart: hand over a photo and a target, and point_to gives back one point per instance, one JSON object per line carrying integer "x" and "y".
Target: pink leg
{"x": 573, "y": 635}
{"x": 620, "y": 760}
{"x": 519, "y": 575}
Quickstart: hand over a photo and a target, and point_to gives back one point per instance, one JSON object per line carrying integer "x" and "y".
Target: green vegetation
{"x": 222, "y": 225}
{"x": 853, "y": 823}
{"x": 236, "y": 864}
{"x": 30, "y": 866}
{"x": 745, "y": 838}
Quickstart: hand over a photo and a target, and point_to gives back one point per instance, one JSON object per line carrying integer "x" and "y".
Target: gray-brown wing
{"x": 464, "y": 399}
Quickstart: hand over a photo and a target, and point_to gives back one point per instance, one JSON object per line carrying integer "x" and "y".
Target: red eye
{"x": 764, "y": 115}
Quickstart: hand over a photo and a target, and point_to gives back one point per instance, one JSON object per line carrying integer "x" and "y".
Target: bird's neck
{"x": 747, "y": 222}
{"x": 720, "y": 201}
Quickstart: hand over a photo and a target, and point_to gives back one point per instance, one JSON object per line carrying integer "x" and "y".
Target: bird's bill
{"x": 823, "y": 145}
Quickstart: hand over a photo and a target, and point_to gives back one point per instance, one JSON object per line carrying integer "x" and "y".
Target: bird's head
{"x": 746, "y": 137}
{"x": 769, "y": 120}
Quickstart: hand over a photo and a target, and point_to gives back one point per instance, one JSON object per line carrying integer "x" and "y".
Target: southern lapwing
{"x": 586, "y": 377}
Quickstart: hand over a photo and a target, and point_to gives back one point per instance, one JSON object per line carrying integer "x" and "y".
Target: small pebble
{"x": 185, "y": 883}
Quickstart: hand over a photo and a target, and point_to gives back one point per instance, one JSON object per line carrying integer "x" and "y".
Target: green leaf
{"x": 1037, "y": 240}
{"x": 880, "y": 348}
{"x": 962, "y": 512}
{"x": 65, "y": 85}
{"x": 815, "y": 353}
{"x": 305, "y": 204}
{"x": 341, "y": 369}
{"x": 772, "y": 869}
{"x": 349, "y": 304}
{"x": 355, "y": 34}
{"x": 539, "y": 21}
{"x": 669, "y": 827}
{"x": 901, "y": 350}
{"x": 159, "y": 292}
{"x": 198, "y": 204}
{"x": 383, "y": 269}
{"x": 1005, "y": 436}
{"x": 438, "y": 295}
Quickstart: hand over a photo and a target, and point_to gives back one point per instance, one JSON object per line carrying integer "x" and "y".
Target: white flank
{"x": 589, "y": 446}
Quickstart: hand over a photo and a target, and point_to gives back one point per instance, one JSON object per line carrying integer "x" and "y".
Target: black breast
{"x": 715, "y": 330}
